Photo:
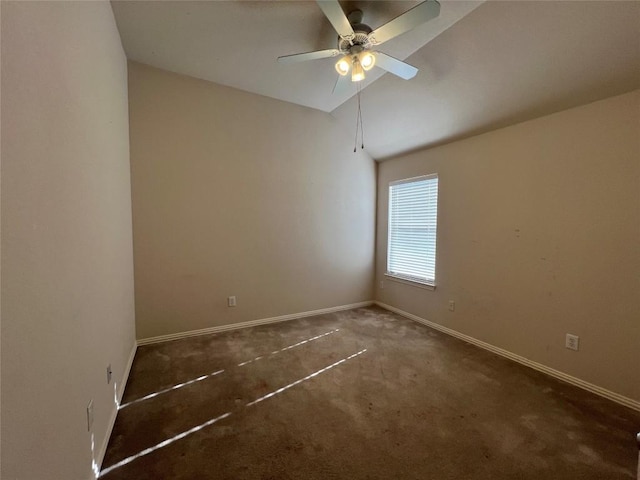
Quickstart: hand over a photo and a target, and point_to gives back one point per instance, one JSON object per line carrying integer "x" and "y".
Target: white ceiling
{"x": 505, "y": 63}
{"x": 237, "y": 43}
{"x": 482, "y": 65}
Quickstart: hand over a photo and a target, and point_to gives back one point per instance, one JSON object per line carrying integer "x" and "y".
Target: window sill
{"x": 425, "y": 286}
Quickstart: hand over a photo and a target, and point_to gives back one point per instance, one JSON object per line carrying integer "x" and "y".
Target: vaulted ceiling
{"x": 482, "y": 65}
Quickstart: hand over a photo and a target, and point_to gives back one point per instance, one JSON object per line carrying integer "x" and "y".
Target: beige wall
{"x": 239, "y": 194}
{"x": 67, "y": 269}
{"x": 538, "y": 236}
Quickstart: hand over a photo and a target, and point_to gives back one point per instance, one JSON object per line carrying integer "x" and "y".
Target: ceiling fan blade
{"x": 302, "y": 57}
{"x": 333, "y": 11}
{"x": 395, "y": 66}
{"x": 342, "y": 84}
{"x": 416, "y": 16}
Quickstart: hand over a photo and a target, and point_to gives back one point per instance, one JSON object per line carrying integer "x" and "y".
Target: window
{"x": 413, "y": 215}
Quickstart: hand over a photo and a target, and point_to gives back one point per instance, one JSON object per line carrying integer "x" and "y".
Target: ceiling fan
{"x": 357, "y": 40}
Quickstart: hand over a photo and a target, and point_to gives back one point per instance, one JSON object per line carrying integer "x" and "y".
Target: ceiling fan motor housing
{"x": 361, "y": 38}
{"x": 361, "y": 33}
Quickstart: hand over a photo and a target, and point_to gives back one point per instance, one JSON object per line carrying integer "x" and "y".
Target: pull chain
{"x": 360, "y": 115}
{"x": 359, "y": 121}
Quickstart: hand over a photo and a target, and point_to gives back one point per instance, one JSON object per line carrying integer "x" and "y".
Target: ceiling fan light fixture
{"x": 343, "y": 65}
{"x": 357, "y": 73}
{"x": 367, "y": 60}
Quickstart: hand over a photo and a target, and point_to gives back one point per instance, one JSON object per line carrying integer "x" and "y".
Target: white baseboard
{"x": 119, "y": 393}
{"x": 250, "y": 323}
{"x": 627, "y": 402}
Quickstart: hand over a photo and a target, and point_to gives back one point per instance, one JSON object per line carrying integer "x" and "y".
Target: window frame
{"x": 408, "y": 279}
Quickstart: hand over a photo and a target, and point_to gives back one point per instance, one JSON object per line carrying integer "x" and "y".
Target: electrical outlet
{"x": 90, "y": 415}
{"x": 452, "y": 306}
{"x": 231, "y": 301}
{"x": 109, "y": 373}
{"x": 572, "y": 342}
{"x": 381, "y": 284}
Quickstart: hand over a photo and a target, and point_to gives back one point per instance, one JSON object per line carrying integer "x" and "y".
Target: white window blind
{"x": 413, "y": 215}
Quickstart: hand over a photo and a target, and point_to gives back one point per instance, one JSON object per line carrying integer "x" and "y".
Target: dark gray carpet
{"x": 374, "y": 396}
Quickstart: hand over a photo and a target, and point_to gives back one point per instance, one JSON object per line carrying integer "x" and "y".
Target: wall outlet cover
{"x": 572, "y": 342}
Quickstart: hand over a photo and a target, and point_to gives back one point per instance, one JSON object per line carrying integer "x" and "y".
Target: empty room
{"x": 320, "y": 240}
